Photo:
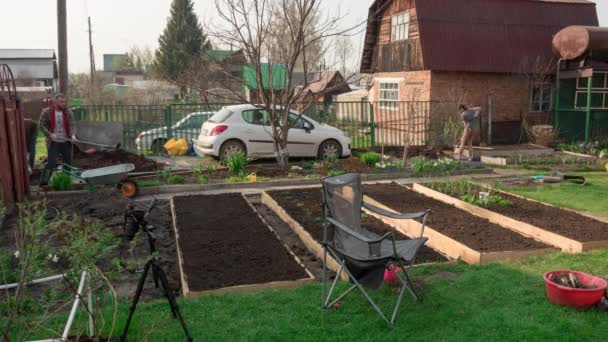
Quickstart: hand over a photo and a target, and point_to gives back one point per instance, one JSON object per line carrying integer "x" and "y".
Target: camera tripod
{"x": 135, "y": 220}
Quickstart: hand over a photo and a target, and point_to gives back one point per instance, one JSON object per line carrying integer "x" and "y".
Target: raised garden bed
{"x": 302, "y": 210}
{"x": 454, "y": 232}
{"x": 224, "y": 246}
{"x": 564, "y": 228}
{"x": 556, "y": 160}
{"x": 100, "y": 159}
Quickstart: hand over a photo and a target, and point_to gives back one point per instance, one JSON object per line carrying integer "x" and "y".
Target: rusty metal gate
{"x": 14, "y": 176}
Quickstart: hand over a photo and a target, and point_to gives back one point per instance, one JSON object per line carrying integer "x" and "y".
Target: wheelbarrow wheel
{"x": 128, "y": 188}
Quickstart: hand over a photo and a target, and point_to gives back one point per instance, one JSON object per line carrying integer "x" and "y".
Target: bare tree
{"x": 248, "y": 24}
{"x": 343, "y": 51}
{"x": 536, "y": 72}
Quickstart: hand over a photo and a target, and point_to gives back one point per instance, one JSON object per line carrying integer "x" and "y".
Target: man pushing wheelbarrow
{"x": 58, "y": 125}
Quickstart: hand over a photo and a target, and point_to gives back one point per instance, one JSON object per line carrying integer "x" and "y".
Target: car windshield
{"x": 221, "y": 116}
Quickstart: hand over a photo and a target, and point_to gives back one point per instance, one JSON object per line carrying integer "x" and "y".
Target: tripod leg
{"x": 171, "y": 298}
{"x": 140, "y": 288}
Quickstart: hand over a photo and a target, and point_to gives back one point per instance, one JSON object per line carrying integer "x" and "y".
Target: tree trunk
{"x": 282, "y": 155}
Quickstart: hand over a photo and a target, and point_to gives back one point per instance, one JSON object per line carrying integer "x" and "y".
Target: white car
{"x": 246, "y": 128}
{"x": 187, "y": 128}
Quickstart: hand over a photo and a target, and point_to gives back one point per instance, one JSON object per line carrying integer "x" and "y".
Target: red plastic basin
{"x": 577, "y": 298}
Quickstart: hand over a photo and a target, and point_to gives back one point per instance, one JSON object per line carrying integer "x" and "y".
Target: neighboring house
{"x": 32, "y": 67}
{"x": 322, "y": 87}
{"x": 466, "y": 51}
{"x": 274, "y": 78}
{"x": 114, "y": 71}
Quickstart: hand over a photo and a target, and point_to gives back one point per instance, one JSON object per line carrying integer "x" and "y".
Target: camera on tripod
{"x": 136, "y": 220}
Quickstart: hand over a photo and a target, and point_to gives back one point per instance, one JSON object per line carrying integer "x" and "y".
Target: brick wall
{"x": 413, "y": 85}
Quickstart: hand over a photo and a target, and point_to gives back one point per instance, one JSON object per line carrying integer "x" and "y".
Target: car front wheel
{"x": 330, "y": 150}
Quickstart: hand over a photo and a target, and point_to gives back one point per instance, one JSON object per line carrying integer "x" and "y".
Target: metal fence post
{"x": 372, "y": 125}
{"x": 169, "y": 121}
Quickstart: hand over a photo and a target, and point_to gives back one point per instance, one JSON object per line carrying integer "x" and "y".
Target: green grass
{"x": 149, "y": 183}
{"x": 496, "y": 302}
{"x": 592, "y": 197}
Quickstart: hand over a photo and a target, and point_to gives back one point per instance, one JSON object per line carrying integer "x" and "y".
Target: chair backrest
{"x": 343, "y": 197}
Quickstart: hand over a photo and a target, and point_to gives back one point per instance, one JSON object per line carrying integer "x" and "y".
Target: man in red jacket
{"x": 58, "y": 125}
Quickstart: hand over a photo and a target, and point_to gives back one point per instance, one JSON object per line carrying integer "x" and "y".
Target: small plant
{"x": 313, "y": 176}
{"x": 370, "y": 158}
{"x": 212, "y": 167}
{"x": 486, "y": 202}
{"x": 164, "y": 173}
{"x": 236, "y": 179}
{"x": 334, "y": 173}
{"x": 263, "y": 179}
{"x": 175, "y": 179}
{"x": 202, "y": 180}
{"x": 199, "y": 169}
{"x": 418, "y": 165}
{"x": 149, "y": 183}
{"x": 61, "y": 182}
{"x": 236, "y": 163}
{"x": 308, "y": 165}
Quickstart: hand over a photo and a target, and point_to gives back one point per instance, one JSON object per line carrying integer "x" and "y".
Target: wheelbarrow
{"x": 117, "y": 175}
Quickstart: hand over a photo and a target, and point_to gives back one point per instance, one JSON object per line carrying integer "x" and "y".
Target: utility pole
{"x": 62, "y": 39}
{"x": 91, "y": 54}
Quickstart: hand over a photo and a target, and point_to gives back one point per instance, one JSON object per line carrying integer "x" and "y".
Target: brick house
{"x": 468, "y": 51}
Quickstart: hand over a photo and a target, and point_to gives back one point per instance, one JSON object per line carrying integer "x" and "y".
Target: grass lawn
{"x": 503, "y": 301}
{"x": 592, "y": 197}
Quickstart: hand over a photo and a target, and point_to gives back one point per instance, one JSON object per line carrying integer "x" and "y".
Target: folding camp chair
{"x": 363, "y": 255}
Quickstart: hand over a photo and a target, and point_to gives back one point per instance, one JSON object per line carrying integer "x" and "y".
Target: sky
{"x": 121, "y": 24}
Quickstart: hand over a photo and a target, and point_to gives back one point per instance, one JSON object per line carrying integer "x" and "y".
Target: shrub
{"x": 418, "y": 165}
{"x": 175, "y": 180}
{"x": 308, "y": 165}
{"x": 61, "y": 182}
{"x": 236, "y": 163}
{"x": 202, "y": 180}
{"x": 370, "y": 158}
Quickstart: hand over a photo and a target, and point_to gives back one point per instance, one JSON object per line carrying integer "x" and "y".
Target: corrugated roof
{"x": 492, "y": 35}
{"x": 27, "y": 54}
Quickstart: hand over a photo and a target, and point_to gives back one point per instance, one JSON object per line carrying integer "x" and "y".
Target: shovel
{"x": 115, "y": 147}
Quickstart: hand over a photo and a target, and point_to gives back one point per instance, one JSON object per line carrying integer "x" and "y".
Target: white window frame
{"x": 386, "y": 103}
{"x": 582, "y": 91}
{"x": 400, "y": 26}
{"x": 539, "y": 101}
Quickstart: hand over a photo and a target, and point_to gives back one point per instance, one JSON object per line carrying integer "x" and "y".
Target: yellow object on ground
{"x": 606, "y": 167}
{"x": 177, "y": 147}
{"x": 253, "y": 178}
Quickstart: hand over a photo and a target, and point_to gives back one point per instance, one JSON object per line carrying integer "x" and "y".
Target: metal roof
{"x": 27, "y": 54}
{"x": 489, "y": 35}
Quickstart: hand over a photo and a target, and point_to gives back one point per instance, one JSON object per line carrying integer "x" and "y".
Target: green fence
{"x": 147, "y": 128}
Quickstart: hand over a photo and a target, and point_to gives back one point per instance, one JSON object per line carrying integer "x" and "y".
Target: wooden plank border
{"x": 448, "y": 246}
{"x": 313, "y": 246}
{"x": 565, "y": 244}
{"x": 180, "y": 257}
{"x": 239, "y": 288}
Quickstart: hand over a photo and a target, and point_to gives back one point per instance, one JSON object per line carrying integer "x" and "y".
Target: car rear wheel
{"x": 158, "y": 146}
{"x": 330, "y": 150}
{"x": 230, "y": 147}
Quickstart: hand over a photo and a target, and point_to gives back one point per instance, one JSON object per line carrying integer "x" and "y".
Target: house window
{"x": 599, "y": 91}
{"x": 541, "y": 97}
{"x": 389, "y": 95}
{"x": 400, "y": 26}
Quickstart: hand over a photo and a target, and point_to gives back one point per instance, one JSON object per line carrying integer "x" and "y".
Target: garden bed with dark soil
{"x": 306, "y": 207}
{"x": 108, "y": 206}
{"x": 472, "y": 231}
{"x": 551, "y": 218}
{"x": 100, "y": 159}
{"x": 224, "y": 243}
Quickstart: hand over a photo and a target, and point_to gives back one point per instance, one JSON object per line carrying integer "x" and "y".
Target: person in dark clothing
{"x": 58, "y": 125}
{"x": 469, "y": 116}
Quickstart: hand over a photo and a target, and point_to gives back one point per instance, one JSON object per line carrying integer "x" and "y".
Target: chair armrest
{"x": 393, "y": 215}
{"x": 358, "y": 236}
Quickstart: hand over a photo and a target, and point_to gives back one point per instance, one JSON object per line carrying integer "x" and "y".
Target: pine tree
{"x": 181, "y": 43}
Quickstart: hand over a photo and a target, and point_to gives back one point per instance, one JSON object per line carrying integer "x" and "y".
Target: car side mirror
{"x": 307, "y": 127}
